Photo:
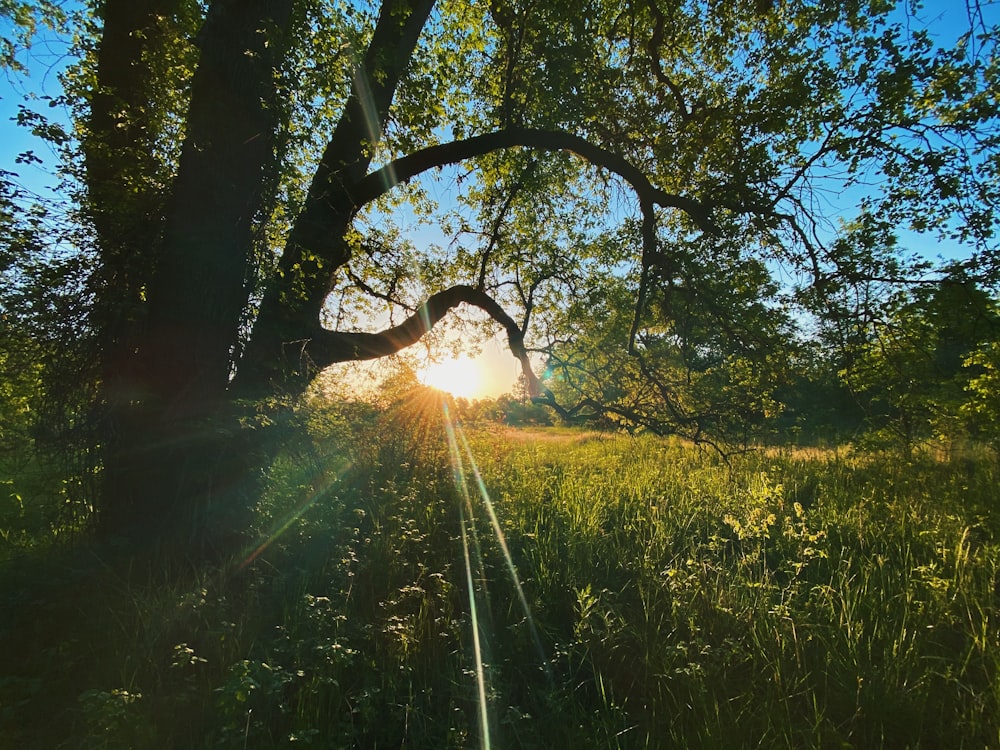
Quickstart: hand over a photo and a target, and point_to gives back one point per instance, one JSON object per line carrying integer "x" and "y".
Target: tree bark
{"x": 171, "y": 462}
{"x": 317, "y": 246}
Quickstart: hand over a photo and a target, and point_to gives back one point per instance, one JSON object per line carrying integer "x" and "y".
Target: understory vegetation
{"x": 415, "y": 583}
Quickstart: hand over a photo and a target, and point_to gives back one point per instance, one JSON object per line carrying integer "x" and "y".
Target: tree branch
{"x": 653, "y": 50}
{"x": 379, "y": 182}
{"x": 328, "y": 347}
{"x": 400, "y": 170}
{"x": 495, "y": 233}
{"x": 315, "y": 247}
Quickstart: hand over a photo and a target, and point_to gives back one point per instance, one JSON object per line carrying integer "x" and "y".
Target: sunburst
{"x": 461, "y": 377}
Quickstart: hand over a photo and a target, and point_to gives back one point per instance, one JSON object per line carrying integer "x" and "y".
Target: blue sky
{"x": 46, "y": 58}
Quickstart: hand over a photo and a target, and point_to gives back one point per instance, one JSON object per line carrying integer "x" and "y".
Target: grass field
{"x": 415, "y": 584}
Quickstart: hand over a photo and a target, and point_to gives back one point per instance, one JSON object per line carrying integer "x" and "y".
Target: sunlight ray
{"x": 484, "y": 724}
{"x": 462, "y": 482}
{"x": 282, "y": 526}
{"x": 508, "y": 558}
{"x": 373, "y": 124}
{"x": 458, "y": 467}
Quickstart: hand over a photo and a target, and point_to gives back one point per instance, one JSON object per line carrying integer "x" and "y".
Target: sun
{"x": 460, "y": 377}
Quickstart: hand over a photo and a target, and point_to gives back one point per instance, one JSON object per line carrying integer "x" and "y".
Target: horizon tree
{"x": 912, "y": 374}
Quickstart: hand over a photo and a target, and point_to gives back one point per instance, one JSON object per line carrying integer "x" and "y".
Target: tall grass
{"x": 781, "y": 599}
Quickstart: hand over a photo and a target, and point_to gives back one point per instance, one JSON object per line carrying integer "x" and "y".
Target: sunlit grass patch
{"x": 423, "y": 584}
{"x": 789, "y": 599}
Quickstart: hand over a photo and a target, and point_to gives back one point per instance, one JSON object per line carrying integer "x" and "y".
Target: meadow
{"x": 415, "y": 583}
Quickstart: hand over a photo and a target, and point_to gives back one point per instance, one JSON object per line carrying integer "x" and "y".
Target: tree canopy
{"x": 650, "y": 199}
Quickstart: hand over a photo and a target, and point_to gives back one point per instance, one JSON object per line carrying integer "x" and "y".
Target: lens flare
{"x": 461, "y": 456}
{"x": 458, "y": 468}
{"x": 281, "y": 526}
{"x": 370, "y": 114}
{"x": 502, "y": 540}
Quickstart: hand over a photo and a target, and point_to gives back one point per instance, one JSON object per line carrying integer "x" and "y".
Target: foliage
{"x": 706, "y": 364}
{"x": 652, "y": 199}
{"x": 44, "y": 386}
{"x": 982, "y": 405}
{"x": 24, "y": 20}
{"x": 636, "y": 196}
{"x": 913, "y": 372}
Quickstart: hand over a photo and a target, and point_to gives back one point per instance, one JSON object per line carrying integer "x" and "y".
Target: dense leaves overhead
{"x": 779, "y": 119}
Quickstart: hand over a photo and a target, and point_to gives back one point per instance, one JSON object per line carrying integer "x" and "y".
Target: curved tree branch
{"x": 315, "y": 246}
{"x": 400, "y": 170}
{"x": 328, "y": 347}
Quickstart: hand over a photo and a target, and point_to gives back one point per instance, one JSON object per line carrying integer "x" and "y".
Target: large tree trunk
{"x": 317, "y": 246}
{"x": 171, "y": 461}
{"x": 181, "y": 464}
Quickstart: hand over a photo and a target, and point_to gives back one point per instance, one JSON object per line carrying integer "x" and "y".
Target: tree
{"x": 982, "y": 404}
{"x": 238, "y": 159}
{"x": 913, "y": 372}
{"x": 42, "y": 312}
{"x": 704, "y": 363}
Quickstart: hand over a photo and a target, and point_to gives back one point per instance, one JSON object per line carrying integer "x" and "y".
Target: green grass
{"x": 783, "y": 599}
{"x": 777, "y": 602}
